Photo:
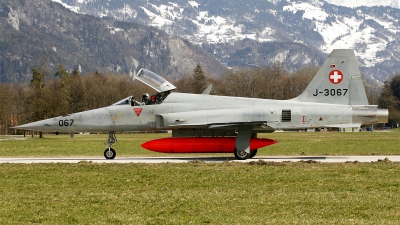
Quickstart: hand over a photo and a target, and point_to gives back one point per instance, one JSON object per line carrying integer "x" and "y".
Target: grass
{"x": 335, "y": 143}
{"x": 290, "y": 143}
{"x": 200, "y": 193}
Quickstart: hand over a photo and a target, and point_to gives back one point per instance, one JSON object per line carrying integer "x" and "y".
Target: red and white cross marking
{"x": 335, "y": 76}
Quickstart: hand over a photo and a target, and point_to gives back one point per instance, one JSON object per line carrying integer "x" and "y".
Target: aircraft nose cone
{"x": 30, "y": 126}
{"x": 43, "y": 125}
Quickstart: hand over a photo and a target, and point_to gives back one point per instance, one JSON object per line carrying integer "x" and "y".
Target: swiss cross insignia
{"x": 335, "y": 76}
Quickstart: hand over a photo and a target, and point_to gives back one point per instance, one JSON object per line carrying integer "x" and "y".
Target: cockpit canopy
{"x": 162, "y": 86}
{"x": 154, "y": 81}
{"x": 128, "y": 101}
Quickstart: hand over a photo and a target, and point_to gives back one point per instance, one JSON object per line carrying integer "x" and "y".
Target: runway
{"x": 218, "y": 159}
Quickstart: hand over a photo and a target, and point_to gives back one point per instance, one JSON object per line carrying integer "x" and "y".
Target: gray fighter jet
{"x": 205, "y": 123}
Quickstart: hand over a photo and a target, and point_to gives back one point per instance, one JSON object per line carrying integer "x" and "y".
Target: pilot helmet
{"x": 146, "y": 96}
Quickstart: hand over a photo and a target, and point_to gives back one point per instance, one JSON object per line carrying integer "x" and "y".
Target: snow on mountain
{"x": 347, "y": 32}
{"x": 194, "y": 4}
{"x": 369, "y": 3}
{"x": 372, "y": 32}
{"x": 72, "y": 8}
{"x": 157, "y": 20}
{"x": 312, "y": 11}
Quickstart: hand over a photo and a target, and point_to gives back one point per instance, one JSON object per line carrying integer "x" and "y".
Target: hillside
{"x": 171, "y": 37}
{"x": 32, "y": 29}
{"x": 225, "y": 27}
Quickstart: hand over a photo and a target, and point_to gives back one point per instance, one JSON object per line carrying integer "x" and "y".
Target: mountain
{"x": 258, "y": 32}
{"x": 171, "y": 37}
{"x": 32, "y": 29}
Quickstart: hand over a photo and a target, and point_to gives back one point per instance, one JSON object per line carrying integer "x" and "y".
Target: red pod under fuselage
{"x": 202, "y": 144}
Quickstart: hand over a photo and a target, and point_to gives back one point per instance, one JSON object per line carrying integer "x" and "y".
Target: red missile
{"x": 201, "y": 144}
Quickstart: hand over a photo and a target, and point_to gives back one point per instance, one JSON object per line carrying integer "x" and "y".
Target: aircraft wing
{"x": 220, "y": 125}
{"x": 221, "y": 119}
{"x": 348, "y": 125}
{"x": 259, "y": 126}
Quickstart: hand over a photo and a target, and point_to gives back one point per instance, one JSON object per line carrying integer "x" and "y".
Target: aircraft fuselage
{"x": 181, "y": 110}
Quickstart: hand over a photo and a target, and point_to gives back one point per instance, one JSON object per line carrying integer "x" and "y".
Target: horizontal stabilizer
{"x": 208, "y": 90}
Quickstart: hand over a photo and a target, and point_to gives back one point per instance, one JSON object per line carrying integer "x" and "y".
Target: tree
{"x": 62, "y": 73}
{"x": 63, "y": 89}
{"x": 277, "y": 81}
{"x": 199, "y": 83}
{"x": 96, "y": 88}
{"x": 75, "y": 73}
{"x": 388, "y": 101}
{"x": 235, "y": 83}
{"x": 34, "y": 101}
{"x": 373, "y": 91}
{"x": 45, "y": 68}
{"x": 77, "y": 93}
{"x": 4, "y": 107}
{"x": 299, "y": 80}
{"x": 37, "y": 81}
{"x": 37, "y": 99}
{"x": 185, "y": 85}
{"x": 395, "y": 86}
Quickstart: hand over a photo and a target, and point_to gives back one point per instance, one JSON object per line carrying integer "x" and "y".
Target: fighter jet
{"x": 203, "y": 123}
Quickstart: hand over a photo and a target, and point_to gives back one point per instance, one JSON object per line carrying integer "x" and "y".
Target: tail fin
{"x": 338, "y": 81}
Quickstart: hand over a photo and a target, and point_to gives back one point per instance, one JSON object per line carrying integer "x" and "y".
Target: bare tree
{"x": 4, "y": 108}
{"x": 373, "y": 91}
{"x": 185, "y": 85}
{"x": 299, "y": 80}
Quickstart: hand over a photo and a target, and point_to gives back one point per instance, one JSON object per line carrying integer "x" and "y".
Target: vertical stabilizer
{"x": 338, "y": 81}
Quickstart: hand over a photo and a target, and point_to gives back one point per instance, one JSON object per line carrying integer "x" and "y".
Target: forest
{"x": 50, "y": 95}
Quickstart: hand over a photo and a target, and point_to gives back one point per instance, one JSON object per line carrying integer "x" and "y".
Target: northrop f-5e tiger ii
{"x": 203, "y": 123}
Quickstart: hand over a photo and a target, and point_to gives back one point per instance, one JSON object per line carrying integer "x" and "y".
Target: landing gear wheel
{"x": 241, "y": 154}
{"x": 110, "y": 153}
{"x": 253, "y": 153}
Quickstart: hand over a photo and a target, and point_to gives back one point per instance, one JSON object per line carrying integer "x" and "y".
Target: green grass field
{"x": 202, "y": 193}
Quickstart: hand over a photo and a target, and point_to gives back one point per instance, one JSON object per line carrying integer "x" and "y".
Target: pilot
{"x": 145, "y": 98}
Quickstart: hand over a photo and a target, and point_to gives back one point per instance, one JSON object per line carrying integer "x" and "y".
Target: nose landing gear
{"x": 110, "y": 153}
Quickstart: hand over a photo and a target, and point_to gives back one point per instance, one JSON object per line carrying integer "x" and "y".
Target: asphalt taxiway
{"x": 217, "y": 159}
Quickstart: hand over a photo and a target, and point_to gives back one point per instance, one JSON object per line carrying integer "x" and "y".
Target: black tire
{"x": 241, "y": 155}
{"x": 253, "y": 153}
{"x": 110, "y": 153}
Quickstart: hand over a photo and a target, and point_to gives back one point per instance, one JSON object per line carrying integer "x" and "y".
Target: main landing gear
{"x": 253, "y": 153}
{"x": 243, "y": 155}
{"x": 110, "y": 153}
{"x": 242, "y": 150}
